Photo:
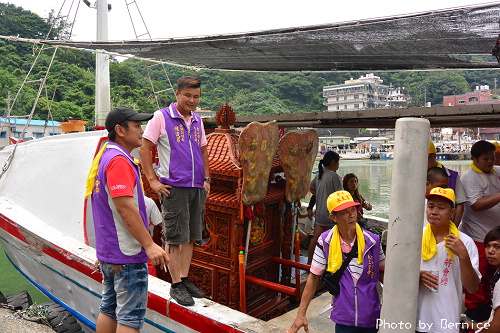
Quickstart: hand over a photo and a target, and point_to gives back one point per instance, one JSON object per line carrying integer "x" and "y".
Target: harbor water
{"x": 374, "y": 177}
{"x": 12, "y": 281}
{"x": 374, "y": 185}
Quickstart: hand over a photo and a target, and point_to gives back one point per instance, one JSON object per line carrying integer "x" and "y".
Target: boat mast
{"x": 102, "y": 85}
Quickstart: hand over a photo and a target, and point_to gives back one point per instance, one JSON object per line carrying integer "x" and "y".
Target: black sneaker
{"x": 192, "y": 289}
{"x": 181, "y": 295}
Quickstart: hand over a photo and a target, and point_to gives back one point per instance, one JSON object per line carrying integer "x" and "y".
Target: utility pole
{"x": 102, "y": 85}
{"x": 8, "y": 99}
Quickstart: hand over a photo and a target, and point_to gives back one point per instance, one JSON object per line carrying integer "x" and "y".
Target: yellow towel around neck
{"x": 89, "y": 186}
{"x": 335, "y": 252}
{"x": 429, "y": 246}
{"x": 475, "y": 168}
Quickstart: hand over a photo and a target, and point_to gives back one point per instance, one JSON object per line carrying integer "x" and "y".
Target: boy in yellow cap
{"x": 454, "y": 183}
{"x": 356, "y": 308}
{"x": 449, "y": 261}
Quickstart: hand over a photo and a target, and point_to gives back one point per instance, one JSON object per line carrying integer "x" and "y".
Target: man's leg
{"x": 105, "y": 324}
{"x": 126, "y": 329}
{"x": 106, "y": 321}
{"x": 186, "y": 254}
{"x": 132, "y": 297}
{"x": 174, "y": 266}
{"x": 178, "y": 290}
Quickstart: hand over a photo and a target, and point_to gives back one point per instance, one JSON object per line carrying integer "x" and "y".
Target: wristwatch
{"x": 207, "y": 179}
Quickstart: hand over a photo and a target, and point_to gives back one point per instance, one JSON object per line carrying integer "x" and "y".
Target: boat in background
{"x": 354, "y": 156}
{"x": 386, "y": 156}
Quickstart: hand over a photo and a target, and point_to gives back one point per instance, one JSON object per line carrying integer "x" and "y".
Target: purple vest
{"x": 453, "y": 177}
{"x": 114, "y": 244}
{"x": 358, "y": 304}
{"x": 185, "y": 161}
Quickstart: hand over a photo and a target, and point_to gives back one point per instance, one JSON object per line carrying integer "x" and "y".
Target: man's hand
{"x": 160, "y": 188}
{"x": 310, "y": 214}
{"x": 206, "y": 186}
{"x": 157, "y": 255}
{"x": 456, "y": 246}
{"x": 300, "y": 321}
{"x": 428, "y": 279}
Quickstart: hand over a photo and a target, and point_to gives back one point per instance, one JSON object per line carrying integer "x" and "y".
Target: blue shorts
{"x": 125, "y": 295}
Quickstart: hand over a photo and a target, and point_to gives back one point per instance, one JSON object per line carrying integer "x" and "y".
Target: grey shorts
{"x": 183, "y": 214}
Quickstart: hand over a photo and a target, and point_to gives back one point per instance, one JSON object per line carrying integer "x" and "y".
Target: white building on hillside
{"x": 13, "y": 127}
{"x": 367, "y": 92}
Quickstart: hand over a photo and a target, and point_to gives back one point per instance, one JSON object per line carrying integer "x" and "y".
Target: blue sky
{"x": 167, "y": 19}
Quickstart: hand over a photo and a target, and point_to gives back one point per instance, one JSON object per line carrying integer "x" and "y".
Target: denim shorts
{"x": 125, "y": 295}
{"x": 183, "y": 218}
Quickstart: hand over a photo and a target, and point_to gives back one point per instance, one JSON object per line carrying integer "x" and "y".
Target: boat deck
{"x": 318, "y": 314}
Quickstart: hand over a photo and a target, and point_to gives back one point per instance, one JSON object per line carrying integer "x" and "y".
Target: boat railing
{"x": 292, "y": 291}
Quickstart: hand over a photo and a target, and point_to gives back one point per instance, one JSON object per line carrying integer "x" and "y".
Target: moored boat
{"x": 42, "y": 232}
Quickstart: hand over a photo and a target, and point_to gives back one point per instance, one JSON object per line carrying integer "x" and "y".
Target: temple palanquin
{"x": 227, "y": 219}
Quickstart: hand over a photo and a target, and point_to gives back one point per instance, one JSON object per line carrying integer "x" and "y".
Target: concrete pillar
{"x": 406, "y": 215}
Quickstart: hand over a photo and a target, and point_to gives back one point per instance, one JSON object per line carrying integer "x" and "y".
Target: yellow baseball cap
{"x": 432, "y": 148}
{"x": 497, "y": 146}
{"x": 448, "y": 193}
{"x": 340, "y": 200}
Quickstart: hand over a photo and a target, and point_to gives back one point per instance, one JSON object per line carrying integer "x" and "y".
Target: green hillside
{"x": 72, "y": 72}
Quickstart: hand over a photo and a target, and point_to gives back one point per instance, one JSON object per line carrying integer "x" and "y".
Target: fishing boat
{"x": 44, "y": 230}
{"x": 355, "y": 156}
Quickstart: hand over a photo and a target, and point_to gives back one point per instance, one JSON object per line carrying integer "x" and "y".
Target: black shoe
{"x": 181, "y": 295}
{"x": 192, "y": 289}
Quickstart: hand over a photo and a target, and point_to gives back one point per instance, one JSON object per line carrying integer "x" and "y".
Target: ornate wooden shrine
{"x": 227, "y": 218}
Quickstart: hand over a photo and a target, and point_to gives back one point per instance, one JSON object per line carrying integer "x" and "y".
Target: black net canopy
{"x": 452, "y": 38}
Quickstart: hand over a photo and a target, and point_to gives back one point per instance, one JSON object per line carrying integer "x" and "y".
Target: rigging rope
{"x": 42, "y": 81}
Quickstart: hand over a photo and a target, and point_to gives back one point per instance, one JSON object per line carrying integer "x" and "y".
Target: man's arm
{"x": 133, "y": 222}
{"x": 204, "y": 153}
{"x": 307, "y": 296}
{"x": 486, "y": 202}
{"x": 469, "y": 277}
{"x": 147, "y": 166}
{"x": 458, "y": 214}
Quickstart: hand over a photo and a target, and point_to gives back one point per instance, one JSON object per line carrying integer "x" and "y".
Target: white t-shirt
{"x": 495, "y": 302}
{"x": 476, "y": 224}
{"x": 154, "y": 214}
{"x": 439, "y": 312}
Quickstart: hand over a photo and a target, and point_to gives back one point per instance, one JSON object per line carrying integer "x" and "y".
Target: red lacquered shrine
{"x": 216, "y": 264}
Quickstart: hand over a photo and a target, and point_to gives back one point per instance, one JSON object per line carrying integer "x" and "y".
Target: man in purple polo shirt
{"x": 123, "y": 243}
{"x": 184, "y": 181}
{"x": 356, "y": 308}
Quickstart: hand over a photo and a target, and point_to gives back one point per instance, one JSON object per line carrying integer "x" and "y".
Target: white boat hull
{"x": 41, "y": 230}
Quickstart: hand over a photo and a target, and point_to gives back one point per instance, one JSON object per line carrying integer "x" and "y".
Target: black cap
{"x": 121, "y": 113}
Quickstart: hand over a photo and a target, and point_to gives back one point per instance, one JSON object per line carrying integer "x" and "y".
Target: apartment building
{"x": 367, "y": 92}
